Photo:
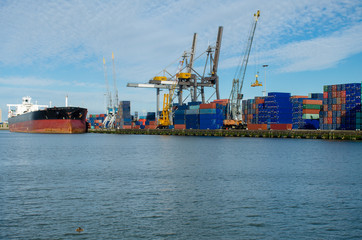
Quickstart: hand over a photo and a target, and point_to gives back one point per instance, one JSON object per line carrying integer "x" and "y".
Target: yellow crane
{"x": 164, "y": 120}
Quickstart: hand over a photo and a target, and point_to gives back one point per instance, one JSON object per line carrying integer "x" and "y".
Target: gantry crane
{"x": 234, "y": 119}
{"x": 111, "y": 110}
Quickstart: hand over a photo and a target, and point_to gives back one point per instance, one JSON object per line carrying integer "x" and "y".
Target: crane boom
{"x": 236, "y": 95}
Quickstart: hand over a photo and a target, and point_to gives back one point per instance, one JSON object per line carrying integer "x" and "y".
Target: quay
{"x": 299, "y": 134}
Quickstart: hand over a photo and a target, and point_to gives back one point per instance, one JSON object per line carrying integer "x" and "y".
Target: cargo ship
{"x": 34, "y": 118}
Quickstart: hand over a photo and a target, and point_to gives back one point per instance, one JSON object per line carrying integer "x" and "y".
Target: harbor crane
{"x": 234, "y": 119}
{"x": 187, "y": 78}
{"x": 111, "y": 109}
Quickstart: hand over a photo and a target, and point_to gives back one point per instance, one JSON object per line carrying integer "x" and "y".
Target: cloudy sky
{"x": 49, "y": 49}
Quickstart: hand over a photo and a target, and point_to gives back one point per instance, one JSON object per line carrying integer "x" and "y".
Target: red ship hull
{"x": 51, "y": 120}
{"x": 50, "y": 126}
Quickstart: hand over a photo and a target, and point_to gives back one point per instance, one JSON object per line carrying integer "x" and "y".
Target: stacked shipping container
{"x": 123, "y": 117}
{"x": 341, "y": 103}
{"x": 96, "y": 120}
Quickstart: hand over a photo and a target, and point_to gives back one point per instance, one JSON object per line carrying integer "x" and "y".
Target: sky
{"x": 50, "y": 49}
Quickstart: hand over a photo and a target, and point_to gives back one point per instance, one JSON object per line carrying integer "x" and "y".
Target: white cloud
{"x": 319, "y": 53}
{"x": 148, "y": 35}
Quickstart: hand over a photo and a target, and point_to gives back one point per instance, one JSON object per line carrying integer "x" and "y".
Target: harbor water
{"x": 174, "y": 187}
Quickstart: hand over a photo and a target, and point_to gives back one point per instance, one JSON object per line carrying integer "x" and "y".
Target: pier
{"x": 298, "y": 134}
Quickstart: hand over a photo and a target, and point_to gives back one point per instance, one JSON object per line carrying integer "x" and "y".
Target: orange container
{"x": 334, "y": 94}
{"x": 316, "y": 102}
{"x": 343, "y": 113}
{"x": 221, "y": 101}
{"x": 259, "y": 101}
{"x": 150, "y": 126}
{"x": 180, "y": 126}
{"x": 152, "y": 123}
{"x": 325, "y": 107}
{"x": 330, "y": 114}
{"x": 257, "y": 127}
{"x": 137, "y": 127}
{"x": 329, "y": 120}
{"x": 126, "y": 127}
{"x": 343, "y": 94}
{"x": 281, "y": 126}
{"x": 311, "y": 111}
{"x": 338, "y": 120}
{"x": 296, "y": 96}
{"x": 334, "y": 107}
{"x": 325, "y": 121}
{"x": 208, "y": 106}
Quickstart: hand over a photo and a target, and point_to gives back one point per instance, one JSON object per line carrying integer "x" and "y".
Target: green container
{"x": 311, "y": 106}
{"x": 325, "y": 88}
{"x": 310, "y": 116}
{"x": 358, "y": 121}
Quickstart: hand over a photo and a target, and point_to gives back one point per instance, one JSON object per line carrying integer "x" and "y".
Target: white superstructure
{"x": 25, "y": 107}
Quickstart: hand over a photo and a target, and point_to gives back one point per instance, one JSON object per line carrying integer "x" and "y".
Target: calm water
{"x": 165, "y": 187}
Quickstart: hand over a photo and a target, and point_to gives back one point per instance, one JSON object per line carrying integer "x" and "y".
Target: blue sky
{"x": 49, "y": 49}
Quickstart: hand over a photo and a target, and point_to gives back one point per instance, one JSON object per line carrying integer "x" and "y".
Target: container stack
{"x": 192, "y": 115}
{"x": 179, "y": 118}
{"x": 141, "y": 122}
{"x": 306, "y": 111}
{"x": 341, "y": 103}
{"x": 280, "y": 110}
{"x": 358, "y": 120}
{"x": 151, "y": 121}
{"x": 316, "y": 96}
{"x": 123, "y": 117}
{"x": 96, "y": 120}
{"x": 248, "y": 108}
{"x": 211, "y": 116}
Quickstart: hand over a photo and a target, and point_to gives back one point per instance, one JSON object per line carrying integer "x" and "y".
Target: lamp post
{"x": 264, "y": 92}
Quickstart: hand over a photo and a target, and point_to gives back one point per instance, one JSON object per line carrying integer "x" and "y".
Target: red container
{"x": 325, "y": 107}
{"x": 126, "y": 127}
{"x": 325, "y": 121}
{"x": 281, "y": 126}
{"x": 208, "y": 106}
{"x": 329, "y": 120}
{"x": 334, "y": 88}
{"x": 137, "y": 127}
{"x": 325, "y": 95}
{"x": 330, "y": 114}
{"x": 315, "y": 102}
{"x": 334, "y": 94}
{"x": 343, "y": 94}
{"x": 339, "y": 107}
{"x": 338, "y": 120}
{"x": 343, "y": 113}
{"x": 334, "y": 107}
{"x": 257, "y": 127}
{"x": 180, "y": 126}
{"x": 311, "y": 111}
